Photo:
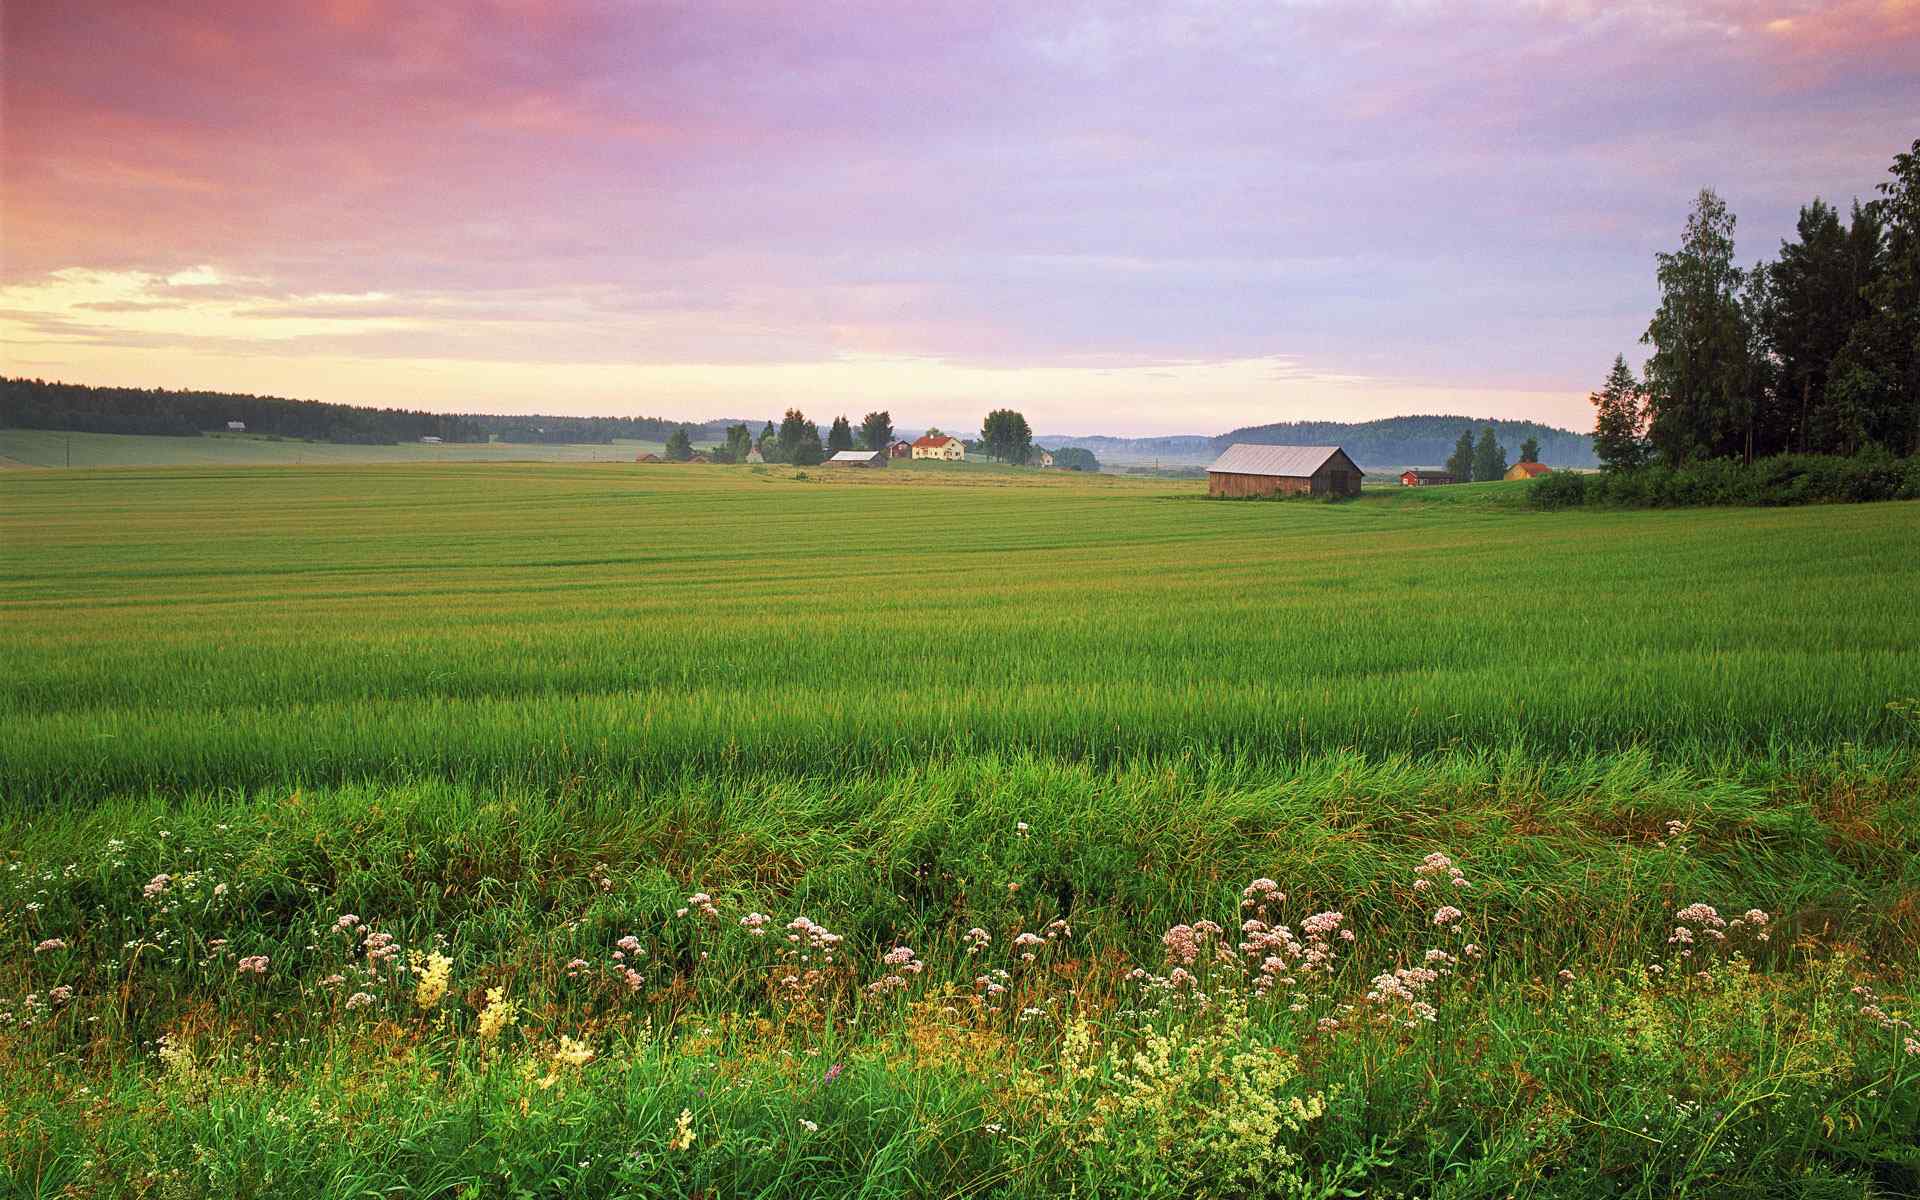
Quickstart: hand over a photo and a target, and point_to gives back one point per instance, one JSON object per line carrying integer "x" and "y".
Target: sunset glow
{"x": 1169, "y": 217}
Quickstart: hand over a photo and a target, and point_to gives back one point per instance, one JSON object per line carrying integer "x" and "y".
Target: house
{"x": 754, "y": 456}
{"x": 900, "y": 450}
{"x": 236, "y": 426}
{"x": 941, "y": 447}
{"x": 430, "y": 441}
{"x": 1040, "y": 456}
{"x": 1527, "y": 470}
{"x": 1247, "y": 469}
{"x": 643, "y": 456}
{"x": 858, "y": 458}
{"x": 1426, "y": 478}
{"x": 701, "y": 456}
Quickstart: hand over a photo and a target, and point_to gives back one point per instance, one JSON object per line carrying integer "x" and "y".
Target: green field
{"x": 515, "y": 713}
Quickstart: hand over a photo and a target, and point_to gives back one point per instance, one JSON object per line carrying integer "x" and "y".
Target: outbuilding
{"x": 645, "y": 456}
{"x": 1249, "y": 469}
{"x": 1418, "y": 478}
{"x": 859, "y": 458}
{"x": 236, "y": 426}
{"x": 1527, "y": 470}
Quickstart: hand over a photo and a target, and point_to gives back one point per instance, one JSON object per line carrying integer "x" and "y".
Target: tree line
{"x": 1815, "y": 352}
{"x": 1479, "y": 461}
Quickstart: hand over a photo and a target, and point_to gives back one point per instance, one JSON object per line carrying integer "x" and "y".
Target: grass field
{"x": 576, "y": 747}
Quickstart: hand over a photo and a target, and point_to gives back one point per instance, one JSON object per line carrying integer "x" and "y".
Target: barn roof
{"x": 1293, "y": 462}
{"x": 1533, "y": 468}
{"x": 930, "y": 440}
{"x": 855, "y": 456}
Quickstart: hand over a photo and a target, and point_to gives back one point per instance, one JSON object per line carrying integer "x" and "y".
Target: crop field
{"x": 510, "y": 829}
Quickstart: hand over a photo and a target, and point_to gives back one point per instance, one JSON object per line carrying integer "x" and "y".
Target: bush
{"x": 1782, "y": 480}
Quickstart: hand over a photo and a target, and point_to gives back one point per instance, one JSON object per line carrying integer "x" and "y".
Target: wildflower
{"x": 359, "y": 1000}
{"x": 156, "y": 887}
{"x": 434, "y": 971}
{"x": 498, "y": 1016}
{"x": 809, "y": 1126}
{"x": 701, "y": 903}
{"x": 50, "y": 945}
{"x": 833, "y": 1073}
{"x": 576, "y": 966}
{"x": 1029, "y": 941}
{"x": 380, "y": 948}
{"x": 1021, "y": 828}
{"x": 755, "y": 924}
{"x": 1566, "y": 976}
{"x": 571, "y": 1053}
{"x": 682, "y": 1132}
{"x": 630, "y": 944}
{"x": 634, "y": 978}
{"x": 219, "y": 889}
{"x": 61, "y": 994}
{"x": 253, "y": 964}
{"x": 345, "y": 922}
{"x": 977, "y": 939}
{"x": 333, "y": 980}
{"x": 1447, "y": 915}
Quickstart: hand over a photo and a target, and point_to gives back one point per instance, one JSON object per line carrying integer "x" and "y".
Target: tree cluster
{"x": 1816, "y": 352}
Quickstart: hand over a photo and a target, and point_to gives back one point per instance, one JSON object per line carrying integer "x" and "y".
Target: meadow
{"x": 552, "y": 829}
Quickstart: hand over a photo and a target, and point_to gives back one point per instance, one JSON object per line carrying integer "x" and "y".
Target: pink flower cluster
{"x": 50, "y": 944}
{"x": 253, "y": 964}
{"x": 156, "y": 887}
{"x": 701, "y": 903}
{"x": 755, "y": 924}
{"x": 977, "y": 939}
{"x": 901, "y": 962}
{"x": 1702, "y": 923}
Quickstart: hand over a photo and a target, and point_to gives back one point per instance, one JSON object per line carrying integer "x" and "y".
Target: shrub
{"x": 1781, "y": 480}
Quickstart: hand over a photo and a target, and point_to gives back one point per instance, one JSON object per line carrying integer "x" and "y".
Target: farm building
{"x": 236, "y": 426}
{"x": 1426, "y": 478}
{"x": 900, "y": 450}
{"x": 754, "y": 455}
{"x": 643, "y": 456}
{"x": 430, "y": 441}
{"x": 859, "y": 458}
{"x": 700, "y": 456}
{"x": 1247, "y": 469}
{"x": 1527, "y": 470}
{"x": 942, "y": 447}
{"x": 1040, "y": 457}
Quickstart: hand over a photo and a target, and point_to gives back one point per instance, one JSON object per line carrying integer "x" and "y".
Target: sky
{"x": 1127, "y": 218}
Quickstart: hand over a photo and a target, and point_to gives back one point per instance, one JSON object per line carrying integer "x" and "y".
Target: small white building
{"x": 431, "y": 441}
{"x": 236, "y": 426}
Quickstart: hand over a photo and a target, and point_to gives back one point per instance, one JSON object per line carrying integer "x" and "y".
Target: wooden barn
{"x": 1247, "y": 469}
{"x": 645, "y": 456}
{"x": 859, "y": 458}
{"x": 1527, "y": 470}
{"x": 1418, "y": 478}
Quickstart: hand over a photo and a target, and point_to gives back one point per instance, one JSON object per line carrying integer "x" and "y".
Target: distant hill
{"x": 1422, "y": 441}
{"x": 1122, "y": 451}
